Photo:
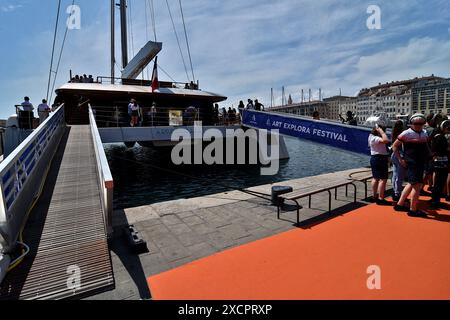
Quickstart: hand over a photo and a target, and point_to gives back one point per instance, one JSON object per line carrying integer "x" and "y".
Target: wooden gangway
{"x": 66, "y": 230}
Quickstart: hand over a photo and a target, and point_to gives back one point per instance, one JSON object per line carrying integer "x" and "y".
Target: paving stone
{"x": 220, "y": 241}
{"x": 234, "y": 231}
{"x": 193, "y": 220}
{"x": 165, "y": 241}
{"x": 170, "y": 220}
{"x": 148, "y": 223}
{"x": 181, "y": 262}
{"x": 248, "y": 204}
{"x": 269, "y": 224}
{"x": 219, "y": 222}
{"x": 201, "y": 250}
{"x": 154, "y": 264}
{"x": 156, "y": 230}
{"x": 174, "y": 253}
{"x": 247, "y": 224}
{"x": 186, "y": 214}
{"x": 261, "y": 233}
{"x": 191, "y": 238}
{"x": 206, "y": 214}
{"x": 179, "y": 229}
{"x": 203, "y": 229}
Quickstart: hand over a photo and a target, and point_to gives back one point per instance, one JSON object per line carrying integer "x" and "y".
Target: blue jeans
{"x": 398, "y": 176}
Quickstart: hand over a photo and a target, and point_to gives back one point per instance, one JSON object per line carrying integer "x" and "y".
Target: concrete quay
{"x": 182, "y": 231}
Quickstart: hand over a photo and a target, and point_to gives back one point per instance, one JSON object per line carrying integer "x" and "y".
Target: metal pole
{"x": 113, "y": 37}
{"x": 123, "y": 24}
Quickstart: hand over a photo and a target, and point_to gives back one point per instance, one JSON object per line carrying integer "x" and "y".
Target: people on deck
{"x": 440, "y": 163}
{"x": 215, "y": 114}
{"x": 190, "y": 116}
{"x": 399, "y": 172}
{"x": 415, "y": 155}
{"x": 153, "y": 114}
{"x": 379, "y": 163}
{"x": 134, "y": 111}
{"x": 43, "y": 111}
{"x": 27, "y": 105}
{"x": 250, "y": 105}
{"x": 258, "y": 106}
{"x": 241, "y": 106}
{"x": 231, "y": 116}
{"x": 224, "y": 117}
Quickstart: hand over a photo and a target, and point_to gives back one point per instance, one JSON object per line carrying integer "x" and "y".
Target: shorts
{"x": 380, "y": 166}
{"x": 415, "y": 172}
{"x": 134, "y": 113}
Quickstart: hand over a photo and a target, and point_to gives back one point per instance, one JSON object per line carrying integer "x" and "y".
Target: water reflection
{"x": 138, "y": 179}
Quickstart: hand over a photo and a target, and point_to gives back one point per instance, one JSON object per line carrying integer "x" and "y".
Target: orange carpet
{"x": 328, "y": 261}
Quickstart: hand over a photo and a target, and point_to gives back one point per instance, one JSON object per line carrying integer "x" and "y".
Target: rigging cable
{"x": 166, "y": 73}
{"x": 187, "y": 41}
{"x": 146, "y": 39}
{"x": 59, "y": 59}
{"x": 152, "y": 15}
{"x": 53, "y": 49}
{"x": 130, "y": 22}
{"x": 178, "y": 40}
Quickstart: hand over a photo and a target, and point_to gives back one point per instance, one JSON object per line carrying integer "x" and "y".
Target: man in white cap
{"x": 416, "y": 154}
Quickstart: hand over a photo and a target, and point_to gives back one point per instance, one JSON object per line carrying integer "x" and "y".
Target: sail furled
{"x": 141, "y": 60}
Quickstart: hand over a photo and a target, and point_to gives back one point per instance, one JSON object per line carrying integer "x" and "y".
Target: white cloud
{"x": 243, "y": 48}
{"x": 10, "y": 7}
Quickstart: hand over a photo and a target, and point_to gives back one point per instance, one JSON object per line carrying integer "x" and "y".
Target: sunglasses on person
{"x": 418, "y": 124}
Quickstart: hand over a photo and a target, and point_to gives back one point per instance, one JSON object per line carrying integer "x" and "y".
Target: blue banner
{"x": 338, "y": 135}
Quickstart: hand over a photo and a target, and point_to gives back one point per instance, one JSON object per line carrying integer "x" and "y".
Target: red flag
{"x": 155, "y": 81}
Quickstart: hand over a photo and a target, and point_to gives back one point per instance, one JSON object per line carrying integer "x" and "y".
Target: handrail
{"x": 21, "y": 173}
{"x": 106, "y": 181}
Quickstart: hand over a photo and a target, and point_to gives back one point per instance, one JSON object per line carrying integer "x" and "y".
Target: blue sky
{"x": 240, "y": 48}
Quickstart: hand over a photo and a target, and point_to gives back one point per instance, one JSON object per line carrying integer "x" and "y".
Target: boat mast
{"x": 123, "y": 24}
{"x": 113, "y": 40}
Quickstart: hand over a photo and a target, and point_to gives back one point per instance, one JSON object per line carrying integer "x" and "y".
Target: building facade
{"x": 431, "y": 96}
{"x": 396, "y": 99}
{"x": 306, "y": 109}
{"x": 339, "y": 106}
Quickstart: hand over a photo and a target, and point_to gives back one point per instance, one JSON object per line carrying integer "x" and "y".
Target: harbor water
{"x": 143, "y": 176}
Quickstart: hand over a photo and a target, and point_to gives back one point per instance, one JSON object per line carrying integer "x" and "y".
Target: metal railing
{"x": 23, "y": 172}
{"x": 106, "y": 181}
{"x": 118, "y": 117}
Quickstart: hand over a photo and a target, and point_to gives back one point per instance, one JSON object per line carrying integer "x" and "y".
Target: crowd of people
{"x": 27, "y": 110}
{"x": 82, "y": 79}
{"x": 419, "y": 155}
{"x": 222, "y": 116}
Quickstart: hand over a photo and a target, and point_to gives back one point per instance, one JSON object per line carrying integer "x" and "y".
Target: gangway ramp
{"x": 67, "y": 229}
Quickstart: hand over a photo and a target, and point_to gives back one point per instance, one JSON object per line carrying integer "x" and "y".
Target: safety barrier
{"x": 23, "y": 172}
{"x": 106, "y": 181}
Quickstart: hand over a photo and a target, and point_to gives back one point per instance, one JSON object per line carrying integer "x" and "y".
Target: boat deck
{"x": 65, "y": 230}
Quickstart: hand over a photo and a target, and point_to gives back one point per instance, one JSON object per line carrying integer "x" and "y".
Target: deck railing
{"x": 106, "y": 181}
{"x": 23, "y": 173}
